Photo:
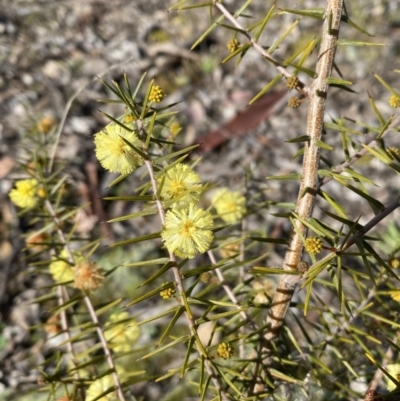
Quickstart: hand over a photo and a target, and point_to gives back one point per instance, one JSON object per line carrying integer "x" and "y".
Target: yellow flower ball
{"x": 292, "y": 82}
{"x": 394, "y": 101}
{"x": 188, "y": 231}
{"x": 168, "y": 293}
{"x": 113, "y": 153}
{"x": 26, "y": 193}
{"x": 230, "y": 205}
{"x": 394, "y": 370}
{"x": 100, "y": 386}
{"x": 225, "y": 350}
{"x": 121, "y": 337}
{"x": 61, "y": 270}
{"x": 313, "y": 245}
{"x": 233, "y": 45}
{"x": 156, "y": 94}
{"x": 395, "y": 294}
{"x": 181, "y": 185}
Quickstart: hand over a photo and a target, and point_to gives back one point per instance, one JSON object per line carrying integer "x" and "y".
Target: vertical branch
{"x": 309, "y": 182}
{"x": 90, "y": 308}
{"x": 179, "y": 284}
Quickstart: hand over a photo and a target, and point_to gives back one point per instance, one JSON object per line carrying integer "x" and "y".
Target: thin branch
{"x": 229, "y": 292}
{"x": 302, "y": 88}
{"x": 372, "y": 223}
{"x": 309, "y": 183}
{"x": 340, "y": 168}
{"x": 89, "y": 306}
{"x": 179, "y": 283}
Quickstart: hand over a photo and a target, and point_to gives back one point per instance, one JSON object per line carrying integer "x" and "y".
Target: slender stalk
{"x": 89, "y": 306}
{"x": 309, "y": 182}
{"x": 179, "y": 284}
{"x": 301, "y": 87}
{"x": 229, "y": 292}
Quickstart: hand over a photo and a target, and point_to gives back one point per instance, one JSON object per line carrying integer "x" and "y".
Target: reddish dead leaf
{"x": 245, "y": 121}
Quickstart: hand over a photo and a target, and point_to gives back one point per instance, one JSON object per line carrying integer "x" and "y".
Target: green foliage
{"x": 117, "y": 325}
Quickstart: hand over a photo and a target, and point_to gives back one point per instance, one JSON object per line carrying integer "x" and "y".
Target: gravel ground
{"x": 51, "y": 55}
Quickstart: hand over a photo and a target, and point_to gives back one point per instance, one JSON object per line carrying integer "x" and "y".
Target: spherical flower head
{"x": 113, "y": 153}
{"x": 233, "y": 45}
{"x": 188, "y": 231}
{"x": 87, "y": 276}
{"x": 225, "y": 350}
{"x": 156, "y": 94}
{"x": 100, "y": 386}
{"x": 302, "y": 266}
{"x": 46, "y": 124}
{"x": 313, "y": 245}
{"x": 121, "y": 337}
{"x": 230, "y": 205}
{"x": 175, "y": 128}
{"x": 61, "y": 270}
{"x": 182, "y": 185}
{"x": 394, "y": 370}
{"x": 394, "y": 263}
{"x": 168, "y": 293}
{"x": 26, "y": 193}
{"x": 294, "y": 102}
{"x": 292, "y": 82}
{"x": 394, "y": 101}
{"x": 395, "y": 295}
{"x": 205, "y": 277}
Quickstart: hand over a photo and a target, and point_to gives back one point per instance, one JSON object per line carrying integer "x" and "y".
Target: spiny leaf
{"x": 171, "y": 324}
{"x": 207, "y": 32}
{"x": 146, "y": 212}
{"x": 317, "y": 13}
{"x": 177, "y": 341}
{"x": 266, "y": 88}
{"x": 302, "y": 138}
{"x": 349, "y": 42}
{"x": 275, "y": 45}
{"x": 286, "y": 177}
{"x": 271, "y": 270}
{"x": 136, "y": 240}
{"x": 264, "y": 23}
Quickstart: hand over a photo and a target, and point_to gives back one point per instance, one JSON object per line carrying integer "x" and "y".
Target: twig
{"x": 89, "y": 306}
{"x": 302, "y": 88}
{"x": 229, "y": 292}
{"x": 340, "y": 168}
{"x": 309, "y": 183}
{"x": 179, "y": 283}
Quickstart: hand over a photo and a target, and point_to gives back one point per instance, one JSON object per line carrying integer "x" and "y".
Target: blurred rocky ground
{"x": 52, "y": 54}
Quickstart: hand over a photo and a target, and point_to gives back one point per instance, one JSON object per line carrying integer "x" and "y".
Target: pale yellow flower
{"x": 188, "y": 231}
{"x": 121, "y": 337}
{"x": 182, "y": 185}
{"x": 113, "y": 153}
{"x": 395, "y": 294}
{"x": 61, "y": 270}
{"x": 230, "y": 205}
{"x": 394, "y": 370}
{"x": 26, "y": 193}
{"x": 100, "y": 386}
